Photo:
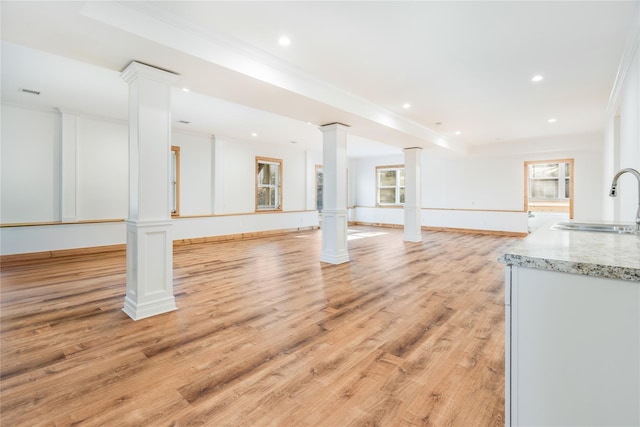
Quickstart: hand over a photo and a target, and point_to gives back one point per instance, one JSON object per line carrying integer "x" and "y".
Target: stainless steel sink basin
{"x": 601, "y": 228}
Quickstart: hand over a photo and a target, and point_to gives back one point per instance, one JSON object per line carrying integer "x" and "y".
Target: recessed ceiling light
{"x": 438, "y": 123}
{"x": 284, "y": 41}
{"x": 185, "y": 89}
{"x": 552, "y": 120}
{"x": 537, "y": 78}
{"x": 254, "y": 134}
{"x": 406, "y": 105}
{"x": 458, "y": 132}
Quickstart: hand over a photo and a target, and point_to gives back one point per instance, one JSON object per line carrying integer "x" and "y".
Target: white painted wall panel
{"x": 190, "y": 228}
{"x": 17, "y": 240}
{"x": 294, "y": 183}
{"x": 239, "y": 177}
{"x": 515, "y": 222}
{"x": 103, "y": 169}
{"x": 393, "y": 216}
{"x": 195, "y": 172}
{"x": 434, "y": 185}
{"x": 629, "y": 150}
{"x": 483, "y": 183}
{"x": 30, "y": 151}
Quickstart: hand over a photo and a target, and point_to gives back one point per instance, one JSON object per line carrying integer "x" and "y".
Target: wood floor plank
{"x": 405, "y": 334}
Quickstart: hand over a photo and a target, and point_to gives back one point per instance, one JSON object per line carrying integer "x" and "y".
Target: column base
{"x": 149, "y": 269}
{"x": 412, "y": 226}
{"x": 138, "y": 311}
{"x": 334, "y": 259}
{"x": 410, "y": 237}
{"x": 334, "y": 237}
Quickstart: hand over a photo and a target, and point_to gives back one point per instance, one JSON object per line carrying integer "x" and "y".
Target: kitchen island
{"x": 572, "y": 309}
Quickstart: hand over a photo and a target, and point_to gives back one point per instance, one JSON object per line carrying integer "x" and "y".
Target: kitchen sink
{"x": 602, "y": 228}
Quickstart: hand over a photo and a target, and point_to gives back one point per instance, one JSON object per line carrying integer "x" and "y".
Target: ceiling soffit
{"x": 151, "y": 23}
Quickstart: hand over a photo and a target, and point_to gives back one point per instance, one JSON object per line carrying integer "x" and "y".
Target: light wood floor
{"x": 406, "y": 334}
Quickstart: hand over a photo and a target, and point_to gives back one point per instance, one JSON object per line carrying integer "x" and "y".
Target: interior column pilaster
{"x": 412, "y": 194}
{"x": 149, "y": 240}
{"x": 334, "y": 194}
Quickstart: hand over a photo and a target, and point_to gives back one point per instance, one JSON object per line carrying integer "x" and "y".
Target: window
{"x": 268, "y": 184}
{"x": 390, "y": 185}
{"x": 174, "y": 179}
{"x": 548, "y": 186}
{"x": 549, "y": 181}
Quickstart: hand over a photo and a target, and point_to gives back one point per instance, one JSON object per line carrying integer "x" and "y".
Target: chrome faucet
{"x": 614, "y": 190}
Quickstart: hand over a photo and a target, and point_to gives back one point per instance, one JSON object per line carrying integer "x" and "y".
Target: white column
{"x": 149, "y": 241}
{"x": 412, "y": 194}
{"x": 69, "y": 168}
{"x": 334, "y": 200}
{"x": 217, "y": 176}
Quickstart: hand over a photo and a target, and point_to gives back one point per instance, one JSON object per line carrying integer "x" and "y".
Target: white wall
{"x": 192, "y": 228}
{"x": 363, "y": 170}
{"x": 472, "y": 183}
{"x": 195, "y": 172}
{"x": 239, "y": 174}
{"x": 30, "y": 151}
{"x": 42, "y": 238}
{"x": 622, "y": 144}
{"x": 102, "y": 169}
{"x": 492, "y": 179}
{"x": 502, "y": 165}
{"x": 472, "y": 192}
{"x": 31, "y": 182}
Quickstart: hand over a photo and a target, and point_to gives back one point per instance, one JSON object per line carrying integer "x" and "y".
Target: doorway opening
{"x": 548, "y": 190}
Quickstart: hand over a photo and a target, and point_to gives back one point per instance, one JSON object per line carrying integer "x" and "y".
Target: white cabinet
{"x": 572, "y": 349}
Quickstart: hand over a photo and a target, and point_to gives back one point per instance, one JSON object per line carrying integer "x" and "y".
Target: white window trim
{"x": 561, "y": 179}
{"x": 397, "y": 187}
{"x": 277, "y": 187}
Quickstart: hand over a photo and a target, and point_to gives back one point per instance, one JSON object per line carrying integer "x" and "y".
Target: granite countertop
{"x": 615, "y": 256}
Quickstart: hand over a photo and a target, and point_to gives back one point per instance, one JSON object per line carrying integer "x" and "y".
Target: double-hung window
{"x": 268, "y": 184}
{"x": 549, "y": 181}
{"x": 390, "y": 185}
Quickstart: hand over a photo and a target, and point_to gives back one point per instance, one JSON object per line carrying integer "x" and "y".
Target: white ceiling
{"x": 463, "y": 66}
